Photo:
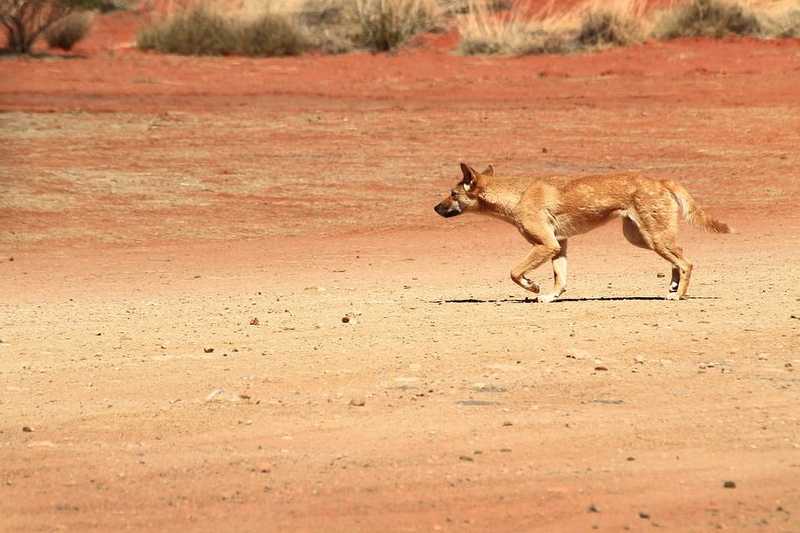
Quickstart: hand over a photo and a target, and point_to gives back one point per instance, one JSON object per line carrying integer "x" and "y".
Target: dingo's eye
{"x": 453, "y": 194}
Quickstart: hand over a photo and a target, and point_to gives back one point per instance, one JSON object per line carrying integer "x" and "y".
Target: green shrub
{"x": 707, "y": 18}
{"x": 68, "y": 31}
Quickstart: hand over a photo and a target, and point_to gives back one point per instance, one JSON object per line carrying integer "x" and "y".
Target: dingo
{"x": 547, "y": 215}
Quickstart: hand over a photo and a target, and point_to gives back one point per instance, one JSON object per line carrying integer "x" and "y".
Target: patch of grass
{"x": 271, "y": 35}
{"x": 515, "y": 32}
{"x": 68, "y": 31}
{"x": 707, "y": 18}
{"x": 386, "y": 24}
{"x": 330, "y": 27}
{"x": 520, "y": 30}
{"x": 197, "y": 32}
{"x": 202, "y": 32}
{"x": 781, "y": 22}
{"x": 608, "y": 28}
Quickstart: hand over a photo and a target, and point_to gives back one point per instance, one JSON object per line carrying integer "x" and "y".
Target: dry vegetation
{"x": 618, "y": 23}
{"x": 202, "y": 31}
{"x": 68, "y": 31}
{"x": 485, "y": 26}
{"x": 26, "y": 20}
{"x": 331, "y": 26}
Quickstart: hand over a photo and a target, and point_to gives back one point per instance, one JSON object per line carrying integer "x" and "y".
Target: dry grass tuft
{"x": 707, "y": 18}
{"x": 203, "y": 32}
{"x": 518, "y": 31}
{"x": 780, "y": 19}
{"x": 386, "y": 24}
{"x": 522, "y": 31}
{"x": 608, "y": 28}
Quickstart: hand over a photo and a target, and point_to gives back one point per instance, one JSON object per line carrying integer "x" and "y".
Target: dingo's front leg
{"x": 559, "y": 274}
{"x": 536, "y": 257}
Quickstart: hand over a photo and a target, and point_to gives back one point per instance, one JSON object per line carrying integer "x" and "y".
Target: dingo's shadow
{"x": 563, "y": 300}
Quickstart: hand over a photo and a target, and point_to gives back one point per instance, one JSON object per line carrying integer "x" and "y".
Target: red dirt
{"x": 154, "y": 205}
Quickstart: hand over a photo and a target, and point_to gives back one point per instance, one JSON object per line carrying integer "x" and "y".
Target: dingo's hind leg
{"x": 634, "y": 234}
{"x": 657, "y": 218}
{"x": 681, "y": 270}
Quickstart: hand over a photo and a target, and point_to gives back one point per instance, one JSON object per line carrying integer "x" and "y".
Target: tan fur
{"x": 547, "y": 215}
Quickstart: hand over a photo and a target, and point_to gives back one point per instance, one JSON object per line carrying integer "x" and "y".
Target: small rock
{"x": 601, "y": 368}
{"x": 630, "y": 459}
{"x": 661, "y": 275}
{"x": 357, "y": 402}
{"x": 507, "y": 423}
{"x": 244, "y": 396}
{"x": 27, "y": 429}
{"x": 729, "y": 484}
{"x": 593, "y": 509}
{"x": 213, "y": 394}
{"x": 208, "y": 350}
{"x": 11, "y": 260}
{"x": 643, "y": 515}
{"x": 345, "y": 319}
{"x": 254, "y": 321}
{"x": 466, "y": 458}
{"x": 544, "y": 150}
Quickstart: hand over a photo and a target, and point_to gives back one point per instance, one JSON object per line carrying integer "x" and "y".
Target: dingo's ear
{"x": 469, "y": 176}
{"x": 489, "y": 171}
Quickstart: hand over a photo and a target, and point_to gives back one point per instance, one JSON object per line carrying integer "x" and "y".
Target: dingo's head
{"x": 464, "y": 196}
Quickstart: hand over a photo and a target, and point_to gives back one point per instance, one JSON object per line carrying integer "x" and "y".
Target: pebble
{"x": 357, "y": 402}
{"x": 507, "y": 423}
{"x": 345, "y": 319}
{"x": 213, "y": 394}
{"x": 466, "y": 458}
{"x": 27, "y": 429}
{"x": 593, "y": 509}
{"x": 208, "y": 350}
{"x": 729, "y": 484}
{"x": 254, "y": 321}
{"x": 645, "y": 516}
{"x": 601, "y": 367}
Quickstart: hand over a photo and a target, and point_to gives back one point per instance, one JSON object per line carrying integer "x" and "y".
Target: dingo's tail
{"x": 692, "y": 212}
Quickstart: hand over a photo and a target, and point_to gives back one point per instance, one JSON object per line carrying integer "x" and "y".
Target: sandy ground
{"x": 155, "y": 206}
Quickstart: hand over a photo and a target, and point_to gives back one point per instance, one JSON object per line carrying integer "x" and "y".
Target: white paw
{"x": 547, "y": 298}
{"x": 672, "y": 296}
{"x": 528, "y": 284}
